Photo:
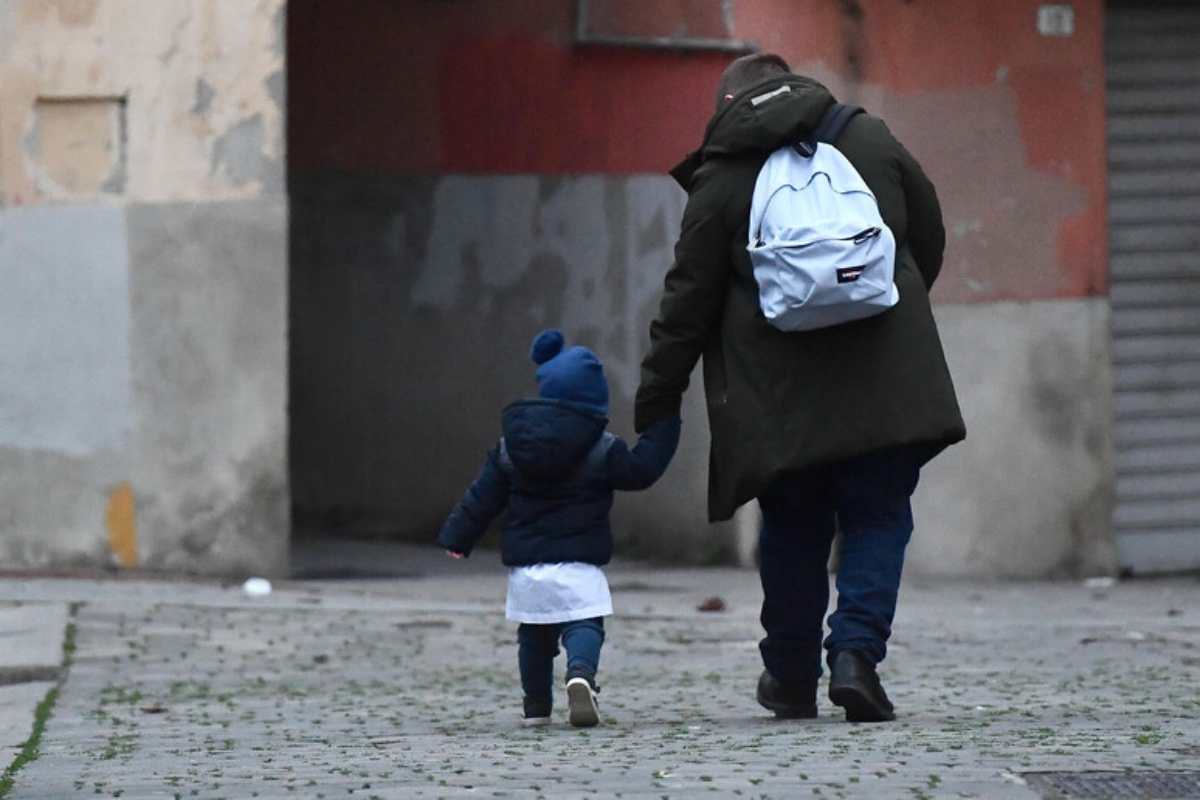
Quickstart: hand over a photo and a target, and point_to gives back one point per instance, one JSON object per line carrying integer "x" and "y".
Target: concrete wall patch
{"x": 64, "y": 321}
{"x": 209, "y": 385}
{"x": 1027, "y": 494}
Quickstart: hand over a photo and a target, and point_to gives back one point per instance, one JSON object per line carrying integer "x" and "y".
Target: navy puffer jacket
{"x": 555, "y": 470}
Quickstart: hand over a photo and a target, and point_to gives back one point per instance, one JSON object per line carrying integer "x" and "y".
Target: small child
{"x": 555, "y": 469}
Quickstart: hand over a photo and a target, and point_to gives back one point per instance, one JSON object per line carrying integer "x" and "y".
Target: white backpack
{"x": 821, "y": 252}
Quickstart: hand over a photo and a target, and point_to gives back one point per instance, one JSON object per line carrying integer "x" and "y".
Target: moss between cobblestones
{"x": 29, "y": 750}
{"x": 41, "y": 715}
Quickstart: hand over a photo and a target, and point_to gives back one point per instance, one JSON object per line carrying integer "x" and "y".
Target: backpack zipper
{"x": 858, "y": 238}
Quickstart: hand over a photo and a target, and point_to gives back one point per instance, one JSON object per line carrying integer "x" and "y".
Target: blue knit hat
{"x": 574, "y": 374}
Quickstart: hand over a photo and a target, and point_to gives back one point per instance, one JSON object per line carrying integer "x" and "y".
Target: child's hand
{"x": 453, "y": 554}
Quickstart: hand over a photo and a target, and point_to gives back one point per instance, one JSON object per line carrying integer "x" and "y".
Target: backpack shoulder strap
{"x": 596, "y": 463}
{"x": 506, "y": 463}
{"x": 834, "y": 122}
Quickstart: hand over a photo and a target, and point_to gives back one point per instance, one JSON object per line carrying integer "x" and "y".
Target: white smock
{"x": 544, "y": 594}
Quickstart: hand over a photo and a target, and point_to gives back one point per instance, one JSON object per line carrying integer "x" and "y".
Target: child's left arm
{"x": 640, "y": 467}
{"x": 481, "y": 504}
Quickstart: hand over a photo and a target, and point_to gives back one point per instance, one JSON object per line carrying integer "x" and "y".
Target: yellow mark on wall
{"x": 121, "y": 519}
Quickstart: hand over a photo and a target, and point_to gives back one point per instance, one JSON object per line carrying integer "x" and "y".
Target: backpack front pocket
{"x": 810, "y": 284}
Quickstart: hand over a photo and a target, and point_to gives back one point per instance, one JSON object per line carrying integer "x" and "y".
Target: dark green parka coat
{"x": 779, "y": 402}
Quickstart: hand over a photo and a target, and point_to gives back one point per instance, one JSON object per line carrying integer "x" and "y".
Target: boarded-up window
{"x": 77, "y": 146}
{"x": 671, "y": 24}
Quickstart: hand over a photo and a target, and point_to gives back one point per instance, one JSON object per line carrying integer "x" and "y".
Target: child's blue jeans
{"x": 538, "y": 645}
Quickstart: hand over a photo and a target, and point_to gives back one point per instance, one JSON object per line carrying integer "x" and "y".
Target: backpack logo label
{"x": 849, "y": 274}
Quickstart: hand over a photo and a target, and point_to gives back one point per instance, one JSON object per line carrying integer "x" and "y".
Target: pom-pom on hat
{"x": 546, "y": 345}
{"x": 573, "y": 374}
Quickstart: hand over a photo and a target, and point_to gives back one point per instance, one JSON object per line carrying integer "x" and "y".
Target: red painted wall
{"x": 1010, "y": 124}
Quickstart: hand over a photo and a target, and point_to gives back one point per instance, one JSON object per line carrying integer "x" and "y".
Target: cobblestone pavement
{"x": 408, "y": 688}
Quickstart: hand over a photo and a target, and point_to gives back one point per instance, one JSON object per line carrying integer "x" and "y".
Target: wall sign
{"x": 1056, "y": 19}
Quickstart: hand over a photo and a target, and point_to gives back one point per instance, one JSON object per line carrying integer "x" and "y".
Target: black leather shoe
{"x": 854, "y": 685}
{"x": 786, "y": 702}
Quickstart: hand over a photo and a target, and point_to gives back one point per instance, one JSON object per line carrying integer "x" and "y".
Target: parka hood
{"x": 760, "y": 119}
{"x": 547, "y": 439}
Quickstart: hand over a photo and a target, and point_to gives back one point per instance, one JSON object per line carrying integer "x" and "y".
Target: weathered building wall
{"x": 463, "y": 174}
{"x": 143, "y": 255}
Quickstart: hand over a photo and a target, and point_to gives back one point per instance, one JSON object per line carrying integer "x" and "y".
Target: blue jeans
{"x": 868, "y": 499}
{"x": 537, "y": 645}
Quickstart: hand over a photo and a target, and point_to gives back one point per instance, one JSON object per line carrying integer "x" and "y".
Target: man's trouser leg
{"x": 875, "y": 520}
{"x": 798, "y": 527}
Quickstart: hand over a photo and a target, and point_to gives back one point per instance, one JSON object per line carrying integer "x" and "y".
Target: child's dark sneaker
{"x": 581, "y": 703}
{"x": 537, "y": 712}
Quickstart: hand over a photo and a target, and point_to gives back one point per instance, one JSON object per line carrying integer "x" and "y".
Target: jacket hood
{"x": 546, "y": 439}
{"x": 760, "y": 119}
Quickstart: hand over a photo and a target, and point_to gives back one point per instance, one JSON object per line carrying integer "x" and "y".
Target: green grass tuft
{"x": 30, "y": 748}
{"x": 69, "y": 645}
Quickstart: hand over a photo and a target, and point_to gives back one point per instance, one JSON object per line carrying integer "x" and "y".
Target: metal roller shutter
{"x": 1153, "y": 68}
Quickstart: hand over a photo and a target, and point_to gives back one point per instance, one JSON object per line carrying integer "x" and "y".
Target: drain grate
{"x": 1142, "y": 785}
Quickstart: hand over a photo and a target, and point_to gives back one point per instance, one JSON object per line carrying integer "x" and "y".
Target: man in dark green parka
{"x": 828, "y": 429}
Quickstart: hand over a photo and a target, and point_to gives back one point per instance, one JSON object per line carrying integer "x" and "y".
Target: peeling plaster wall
{"x": 143, "y": 251}
{"x": 195, "y": 76}
{"x": 441, "y": 219}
